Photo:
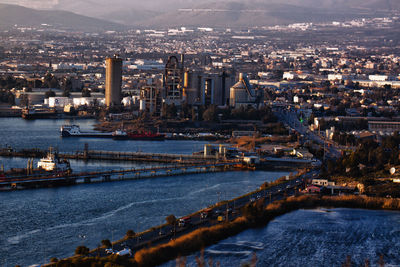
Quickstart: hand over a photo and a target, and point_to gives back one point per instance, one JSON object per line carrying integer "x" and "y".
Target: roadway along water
{"x": 313, "y": 238}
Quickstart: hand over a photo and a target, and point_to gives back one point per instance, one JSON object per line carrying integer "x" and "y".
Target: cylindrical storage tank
{"x": 207, "y": 150}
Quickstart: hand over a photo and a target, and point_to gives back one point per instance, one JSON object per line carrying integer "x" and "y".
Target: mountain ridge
{"x": 11, "y": 15}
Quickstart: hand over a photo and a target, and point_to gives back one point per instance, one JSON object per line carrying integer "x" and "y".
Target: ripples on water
{"x": 44, "y": 223}
{"x": 314, "y": 238}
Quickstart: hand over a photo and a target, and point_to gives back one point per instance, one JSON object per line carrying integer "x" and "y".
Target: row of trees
{"x": 369, "y": 156}
{"x": 7, "y": 97}
{"x": 214, "y": 114}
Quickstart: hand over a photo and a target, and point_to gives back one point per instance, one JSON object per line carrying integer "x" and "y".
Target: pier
{"x": 53, "y": 180}
{"x": 87, "y": 154}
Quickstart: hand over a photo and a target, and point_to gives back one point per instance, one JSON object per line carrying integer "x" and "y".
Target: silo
{"x": 113, "y": 81}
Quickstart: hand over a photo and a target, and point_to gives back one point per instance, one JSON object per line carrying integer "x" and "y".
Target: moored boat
{"x": 75, "y": 131}
{"x": 146, "y": 136}
{"x": 37, "y": 113}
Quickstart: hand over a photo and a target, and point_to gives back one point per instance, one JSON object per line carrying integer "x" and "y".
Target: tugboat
{"x": 51, "y": 163}
{"x": 75, "y": 131}
{"x": 120, "y": 135}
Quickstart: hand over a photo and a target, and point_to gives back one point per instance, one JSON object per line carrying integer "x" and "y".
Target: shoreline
{"x": 255, "y": 215}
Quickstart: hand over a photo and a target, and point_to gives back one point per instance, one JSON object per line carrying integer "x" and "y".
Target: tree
{"x": 169, "y": 111}
{"x": 81, "y": 250}
{"x": 86, "y": 92}
{"x": 171, "y": 219}
{"x": 24, "y": 100}
{"x": 210, "y": 114}
{"x": 130, "y": 234}
{"x": 11, "y": 99}
{"x": 66, "y": 93}
{"x": 49, "y": 93}
{"x": 106, "y": 243}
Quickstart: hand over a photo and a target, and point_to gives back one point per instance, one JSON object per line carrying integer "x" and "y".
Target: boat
{"x": 39, "y": 113}
{"x": 146, "y": 136}
{"x": 51, "y": 163}
{"x": 122, "y": 135}
{"x": 75, "y": 131}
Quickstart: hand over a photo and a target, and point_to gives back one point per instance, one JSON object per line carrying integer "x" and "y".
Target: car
{"x": 205, "y": 213}
{"x": 184, "y": 221}
{"x": 125, "y": 251}
{"x": 218, "y": 212}
{"x": 110, "y": 251}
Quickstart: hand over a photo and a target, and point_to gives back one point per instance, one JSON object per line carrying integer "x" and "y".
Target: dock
{"x": 54, "y": 180}
{"x": 112, "y": 155}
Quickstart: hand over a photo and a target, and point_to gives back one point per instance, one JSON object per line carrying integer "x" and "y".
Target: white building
{"x": 289, "y": 75}
{"x": 378, "y": 78}
{"x": 55, "y": 102}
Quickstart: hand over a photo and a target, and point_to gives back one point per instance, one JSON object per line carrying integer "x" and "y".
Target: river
{"x": 51, "y": 222}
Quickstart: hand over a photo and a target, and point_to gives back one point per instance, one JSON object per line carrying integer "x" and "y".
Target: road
{"x": 332, "y": 151}
{"x": 228, "y": 210}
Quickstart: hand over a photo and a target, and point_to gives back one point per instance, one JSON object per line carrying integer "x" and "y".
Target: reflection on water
{"x": 314, "y": 238}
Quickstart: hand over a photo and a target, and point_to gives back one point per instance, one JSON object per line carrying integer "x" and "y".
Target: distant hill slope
{"x": 228, "y": 13}
{"x": 16, "y": 15}
{"x": 239, "y": 14}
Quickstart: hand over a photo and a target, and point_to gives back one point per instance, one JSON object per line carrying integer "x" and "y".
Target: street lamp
{"x": 112, "y": 239}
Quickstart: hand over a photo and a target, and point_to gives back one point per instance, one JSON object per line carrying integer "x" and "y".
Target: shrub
{"x": 81, "y": 250}
{"x": 106, "y": 243}
{"x": 130, "y": 234}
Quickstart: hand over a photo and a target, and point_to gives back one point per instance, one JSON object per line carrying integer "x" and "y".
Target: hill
{"x": 11, "y": 15}
{"x": 213, "y": 13}
{"x": 248, "y": 14}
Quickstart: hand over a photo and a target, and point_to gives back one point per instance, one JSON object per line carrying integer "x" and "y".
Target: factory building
{"x": 204, "y": 88}
{"x": 243, "y": 94}
{"x": 113, "y": 81}
{"x": 151, "y": 99}
{"x": 173, "y": 79}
